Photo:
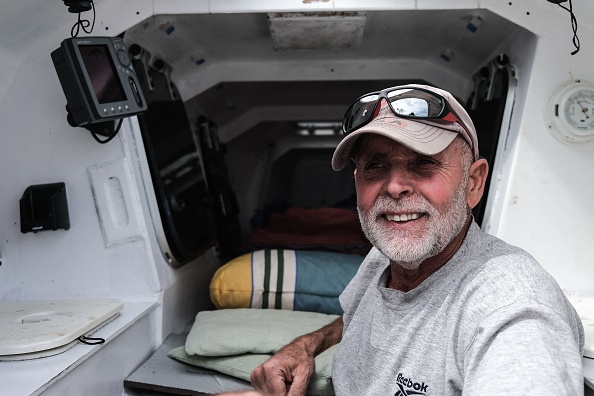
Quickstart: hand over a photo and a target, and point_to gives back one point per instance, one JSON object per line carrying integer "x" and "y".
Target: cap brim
{"x": 420, "y": 137}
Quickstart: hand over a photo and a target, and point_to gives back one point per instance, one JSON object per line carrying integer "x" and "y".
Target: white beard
{"x": 407, "y": 250}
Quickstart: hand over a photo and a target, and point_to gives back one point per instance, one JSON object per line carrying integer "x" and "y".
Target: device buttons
{"x": 135, "y": 92}
{"x": 124, "y": 57}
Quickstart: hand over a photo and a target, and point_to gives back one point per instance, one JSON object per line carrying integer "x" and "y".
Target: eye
{"x": 373, "y": 168}
{"x": 373, "y": 165}
{"x": 425, "y": 163}
{"x": 429, "y": 159}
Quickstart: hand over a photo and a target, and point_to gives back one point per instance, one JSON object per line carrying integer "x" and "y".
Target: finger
{"x": 269, "y": 383}
{"x": 300, "y": 382}
{"x": 255, "y": 377}
{"x": 298, "y": 388}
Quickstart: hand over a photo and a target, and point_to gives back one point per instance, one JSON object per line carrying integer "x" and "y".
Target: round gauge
{"x": 579, "y": 110}
{"x": 571, "y": 112}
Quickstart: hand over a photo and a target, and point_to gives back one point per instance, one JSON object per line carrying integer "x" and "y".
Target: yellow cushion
{"x": 231, "y": 285}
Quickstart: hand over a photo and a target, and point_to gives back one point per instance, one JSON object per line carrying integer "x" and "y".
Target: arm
{"x": 289, "y": 371}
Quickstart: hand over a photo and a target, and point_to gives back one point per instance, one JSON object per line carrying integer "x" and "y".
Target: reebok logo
{"x": 407, "y": 387}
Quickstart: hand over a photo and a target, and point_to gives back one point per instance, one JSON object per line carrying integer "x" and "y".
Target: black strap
{"x": 91, "y": 340}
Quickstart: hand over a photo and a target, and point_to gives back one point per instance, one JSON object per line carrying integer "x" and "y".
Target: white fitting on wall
{"x": 115, "y": 200}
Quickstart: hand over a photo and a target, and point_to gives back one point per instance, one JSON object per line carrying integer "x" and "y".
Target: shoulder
{"x": 499, "y": 268}
{"x": 501, "y": 280}
{"x": 485, "y": 257}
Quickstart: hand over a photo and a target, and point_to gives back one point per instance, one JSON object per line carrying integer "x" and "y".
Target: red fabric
{"x": 333, "y": 229}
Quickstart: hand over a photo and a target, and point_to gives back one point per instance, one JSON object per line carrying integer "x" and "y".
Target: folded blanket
{"x": 330, "y": 229}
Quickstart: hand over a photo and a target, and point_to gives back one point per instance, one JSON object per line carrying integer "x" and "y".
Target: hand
{"x": 287, "y": 373}
{"x": 242, "y": 393}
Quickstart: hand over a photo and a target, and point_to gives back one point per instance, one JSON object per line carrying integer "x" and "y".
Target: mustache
{"x": 416, "y": 204}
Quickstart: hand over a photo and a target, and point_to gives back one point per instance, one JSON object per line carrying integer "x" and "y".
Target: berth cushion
{"x": 296, "y": 280}
{"x": 241, "y": 366}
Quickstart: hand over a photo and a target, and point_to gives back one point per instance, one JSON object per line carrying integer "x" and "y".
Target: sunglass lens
{"x": 359, "y": 113}
{"x": 415, "y": 103}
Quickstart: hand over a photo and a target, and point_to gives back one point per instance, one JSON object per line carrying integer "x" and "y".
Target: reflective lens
{"x": 404, "y": 102}
{"x": 415, "y": 103}
{"x": 360, "y": 113}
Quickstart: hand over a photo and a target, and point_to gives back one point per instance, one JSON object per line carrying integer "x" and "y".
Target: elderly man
{"x": 437, "y": 307}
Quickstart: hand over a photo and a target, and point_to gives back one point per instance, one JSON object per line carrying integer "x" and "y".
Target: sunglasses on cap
{"x": 405, "y": 102}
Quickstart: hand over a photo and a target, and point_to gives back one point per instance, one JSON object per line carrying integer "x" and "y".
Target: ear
{"x": 476, "y": 182}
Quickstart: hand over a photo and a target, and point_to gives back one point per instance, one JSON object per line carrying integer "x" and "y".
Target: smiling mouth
{"x": 403, "y": 217}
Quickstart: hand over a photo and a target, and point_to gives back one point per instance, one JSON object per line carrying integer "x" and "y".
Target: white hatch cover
{"x": 32, "y": 329}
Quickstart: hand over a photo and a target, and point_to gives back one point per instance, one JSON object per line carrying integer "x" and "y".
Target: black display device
{"x": 98, "y": 79}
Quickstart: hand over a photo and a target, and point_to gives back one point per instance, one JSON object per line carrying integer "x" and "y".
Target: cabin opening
{"x": 244, "y": 110}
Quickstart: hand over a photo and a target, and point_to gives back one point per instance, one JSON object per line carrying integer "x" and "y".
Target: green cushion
{"x": 237, "y": 331}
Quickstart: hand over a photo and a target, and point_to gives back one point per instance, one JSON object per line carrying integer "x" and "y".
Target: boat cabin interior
{"x": 226, "y": 152}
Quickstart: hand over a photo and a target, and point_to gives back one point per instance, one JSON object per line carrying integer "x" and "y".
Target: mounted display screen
{"x": 102, "y": 73}
{"x": 98, "y": 79}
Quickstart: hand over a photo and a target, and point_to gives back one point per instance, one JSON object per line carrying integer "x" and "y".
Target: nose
{"x": 399, "y": 183}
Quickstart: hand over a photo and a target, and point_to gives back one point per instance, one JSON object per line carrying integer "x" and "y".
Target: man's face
{"x": 410, "y": 205}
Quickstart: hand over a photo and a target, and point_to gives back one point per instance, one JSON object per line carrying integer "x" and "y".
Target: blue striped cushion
{"x": 301, "y": 280}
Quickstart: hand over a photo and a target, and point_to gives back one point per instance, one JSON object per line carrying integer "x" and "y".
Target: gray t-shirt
{"x": 491, "y": 321}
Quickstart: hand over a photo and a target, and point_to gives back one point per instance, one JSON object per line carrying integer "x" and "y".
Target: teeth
{"x": 404, "y": 217}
